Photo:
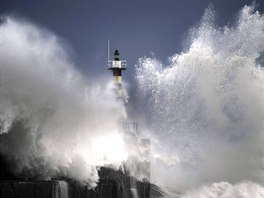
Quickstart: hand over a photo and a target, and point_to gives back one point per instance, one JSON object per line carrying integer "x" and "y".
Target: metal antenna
{"x": 108, "y": 46}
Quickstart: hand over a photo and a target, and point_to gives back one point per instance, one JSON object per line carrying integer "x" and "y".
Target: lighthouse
{"x": 117, "y": 66}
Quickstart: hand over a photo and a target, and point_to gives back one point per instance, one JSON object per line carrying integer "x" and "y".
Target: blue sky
{"x": 137, "y": 28}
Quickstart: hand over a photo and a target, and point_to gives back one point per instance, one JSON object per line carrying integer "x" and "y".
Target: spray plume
{"x": 50, "y": 116}
{"x": 206, "y": 107}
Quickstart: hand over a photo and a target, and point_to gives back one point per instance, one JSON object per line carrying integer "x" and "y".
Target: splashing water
{"x": 61, "y": 190}
{"x": 226, "y": 190}
{"x": 109, "y": 149}
{"x": 134, "y": 192}
{"x": 206, "y": 107}
{"x": 205, "y": 110}
{"x": 49, "y": 114}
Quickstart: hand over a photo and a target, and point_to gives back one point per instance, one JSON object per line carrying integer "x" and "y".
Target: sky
{"x": 136, "y": 28}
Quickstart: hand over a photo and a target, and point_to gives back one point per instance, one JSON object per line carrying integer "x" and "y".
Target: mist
{"x": 204, "y": 108}
{"x": 51, "y": 116}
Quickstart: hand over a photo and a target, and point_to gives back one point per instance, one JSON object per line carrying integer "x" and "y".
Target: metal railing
{"x": 131, "y": 127}
{"x": 111, "y": 64}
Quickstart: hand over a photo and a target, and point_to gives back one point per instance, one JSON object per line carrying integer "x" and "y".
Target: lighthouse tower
{"x": 117, "y": 66}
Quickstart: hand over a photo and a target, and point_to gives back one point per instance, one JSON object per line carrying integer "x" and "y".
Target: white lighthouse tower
{"x": 117, "y": 66}
{"x": 131, "y": 134}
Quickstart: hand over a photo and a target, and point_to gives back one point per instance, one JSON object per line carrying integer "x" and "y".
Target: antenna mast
{"x": 108, "y": 47}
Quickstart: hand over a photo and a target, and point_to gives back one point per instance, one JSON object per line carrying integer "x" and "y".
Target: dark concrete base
{"x": 49, "y": 189}
{"x": 112, "y": 184}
